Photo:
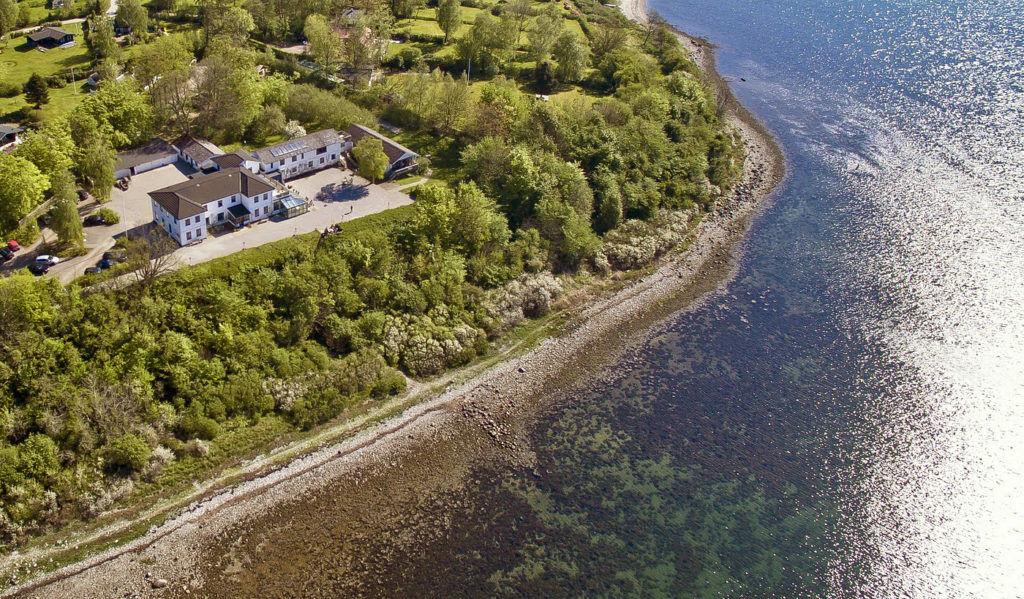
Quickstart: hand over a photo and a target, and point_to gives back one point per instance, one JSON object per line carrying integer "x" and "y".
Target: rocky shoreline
{"x": 432, "y": 448}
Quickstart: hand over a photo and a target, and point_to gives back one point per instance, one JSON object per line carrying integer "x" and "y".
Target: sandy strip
{"x": 480, "y": 415}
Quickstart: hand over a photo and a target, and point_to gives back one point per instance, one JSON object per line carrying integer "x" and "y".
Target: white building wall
{"x": 305, "y": 162}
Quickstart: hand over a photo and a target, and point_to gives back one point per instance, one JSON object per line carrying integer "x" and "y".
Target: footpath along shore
{"x": 224, "y": 544}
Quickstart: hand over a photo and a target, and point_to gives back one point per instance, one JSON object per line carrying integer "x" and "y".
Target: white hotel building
{"x": 232, "y": 196}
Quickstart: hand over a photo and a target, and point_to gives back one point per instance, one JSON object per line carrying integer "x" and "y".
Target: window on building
{"x": 188, "y": 235}
{"x": 188, "y": 221}
{"x": 220, "y": 203}
{"x": 322, "y": 150}
{"x": 220, "y": 216}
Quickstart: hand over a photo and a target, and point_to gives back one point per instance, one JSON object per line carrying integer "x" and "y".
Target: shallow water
{"x": 843, "y": 420}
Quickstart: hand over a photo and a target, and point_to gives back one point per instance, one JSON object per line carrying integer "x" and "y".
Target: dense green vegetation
{"x": 106, "y": 390}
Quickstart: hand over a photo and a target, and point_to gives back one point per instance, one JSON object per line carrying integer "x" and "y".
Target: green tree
{"x": 165, "y": 65}
{"x": 96, "y": 164}
{"x": 121, "y": 112}
{"x": 324, "y": 44}
{"x": 37, "y": 457}
{"x": 546, "y": 28}
{"x": 36, "y": 90}
{"x": 133, "y": 14}
{"x": 129, "y": 451}
{"x": 449, "y": 17}
{"x": 21, "y": 189}
{"x": 102, "y": 43}
{"x": 50, "y": 148}
{"x": 403, "y": 9}
{"x": 9, "y": 12}
{"x": 572, "y": 56}
{"x": 608, "y": 199}
{"x": 520, "y": 11}
{"x": 64, "y": 213}
{"x": 370, "y": 156}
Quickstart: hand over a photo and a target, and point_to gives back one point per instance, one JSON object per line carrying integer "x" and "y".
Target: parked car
{"x": 13, "y": 245}
{"x": 106, "y": 263}
{"x": 47, "y": 259}
{"x": 93, "y": 220}
{"x": 117, "y": 256}
{"x": 5, "y": 254}
{"x": 38, "y": 268}
{"x": 93, "y": 270}
{"x": 83, "y": 195}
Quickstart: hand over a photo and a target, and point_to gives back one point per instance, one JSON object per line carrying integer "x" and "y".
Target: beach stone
{"x": 158, "y": 583}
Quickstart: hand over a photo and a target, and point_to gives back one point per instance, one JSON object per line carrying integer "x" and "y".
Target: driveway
{"x": 135, "y": 209}
{"x": 335, "y": 204}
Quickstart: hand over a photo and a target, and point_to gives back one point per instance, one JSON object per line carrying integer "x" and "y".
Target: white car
{"x": 47, "y": 259}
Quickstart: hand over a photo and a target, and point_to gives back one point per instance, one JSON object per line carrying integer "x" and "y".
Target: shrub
{"x": 110, "y": 217}
{"x": 129, "y": 452}
{"x": 9, "y": 89}
{"x": 194, "y": 426}
{"x": 37, "y": 457}
{"x": 26, "y": 234}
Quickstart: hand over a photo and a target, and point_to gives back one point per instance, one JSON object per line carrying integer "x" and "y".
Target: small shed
{"x": 150, "y": 155}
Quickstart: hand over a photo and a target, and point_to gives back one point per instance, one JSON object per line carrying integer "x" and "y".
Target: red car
{"x": 13, "y": 245}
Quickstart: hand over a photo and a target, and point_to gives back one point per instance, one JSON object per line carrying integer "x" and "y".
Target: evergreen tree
{"x": 36, "y": 90}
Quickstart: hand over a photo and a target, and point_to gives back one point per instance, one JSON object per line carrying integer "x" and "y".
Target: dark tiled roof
{"x": 48, "y": 33}
{"x": 9, "y": 129}
{"x": 236, "y": 158}
{"x": 189, "y": 198}
{"x": 312, "y": 141}
{"x": 199, "y": 150}
{"x": 153, "y": 149}
{"x": 392, "y": 148}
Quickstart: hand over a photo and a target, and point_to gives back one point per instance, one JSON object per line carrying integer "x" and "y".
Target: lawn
{"x": 21, "y": 61}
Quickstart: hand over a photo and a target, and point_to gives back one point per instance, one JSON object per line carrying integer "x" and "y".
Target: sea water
{"x": 844, "y": 419}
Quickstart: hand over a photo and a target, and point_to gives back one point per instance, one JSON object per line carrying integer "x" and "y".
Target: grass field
{"x": 19, "y": 62}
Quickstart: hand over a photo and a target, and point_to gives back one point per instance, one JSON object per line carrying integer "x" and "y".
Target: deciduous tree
{"x": 369, "y": 154}
{"x": 8, "y": 15}
{"x": 520, "y": 11}
{"x": 572, "y": 56}
{"x": 449, "y": 17}
{"x": 133, "y": 14}
{"x": 546, "y": 28}
{"x": 324, "y": 44}
{"x": 50, "y": 148}
{"x": 102, "y": 43}
{"x": 96, "y": 164}
{"x": 64, "y": 212}
{"x": 21, "y": 189}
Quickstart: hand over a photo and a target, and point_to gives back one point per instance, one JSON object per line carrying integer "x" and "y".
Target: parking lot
{"x": 133, "y": 205}
{"x": 330, "y": 202}
{"x": 335, "y": 195}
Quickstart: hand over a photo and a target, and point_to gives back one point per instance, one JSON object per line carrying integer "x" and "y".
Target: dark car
{"x": 5, "y": 254}
{"x": 115, "y": 256}
{"x": 93, "y": 270}
{"x": 83, "y": 195}
{"x": 105, "y": 263}
{"x": 38, "y": 268}
{"x": 93, "y": 220}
